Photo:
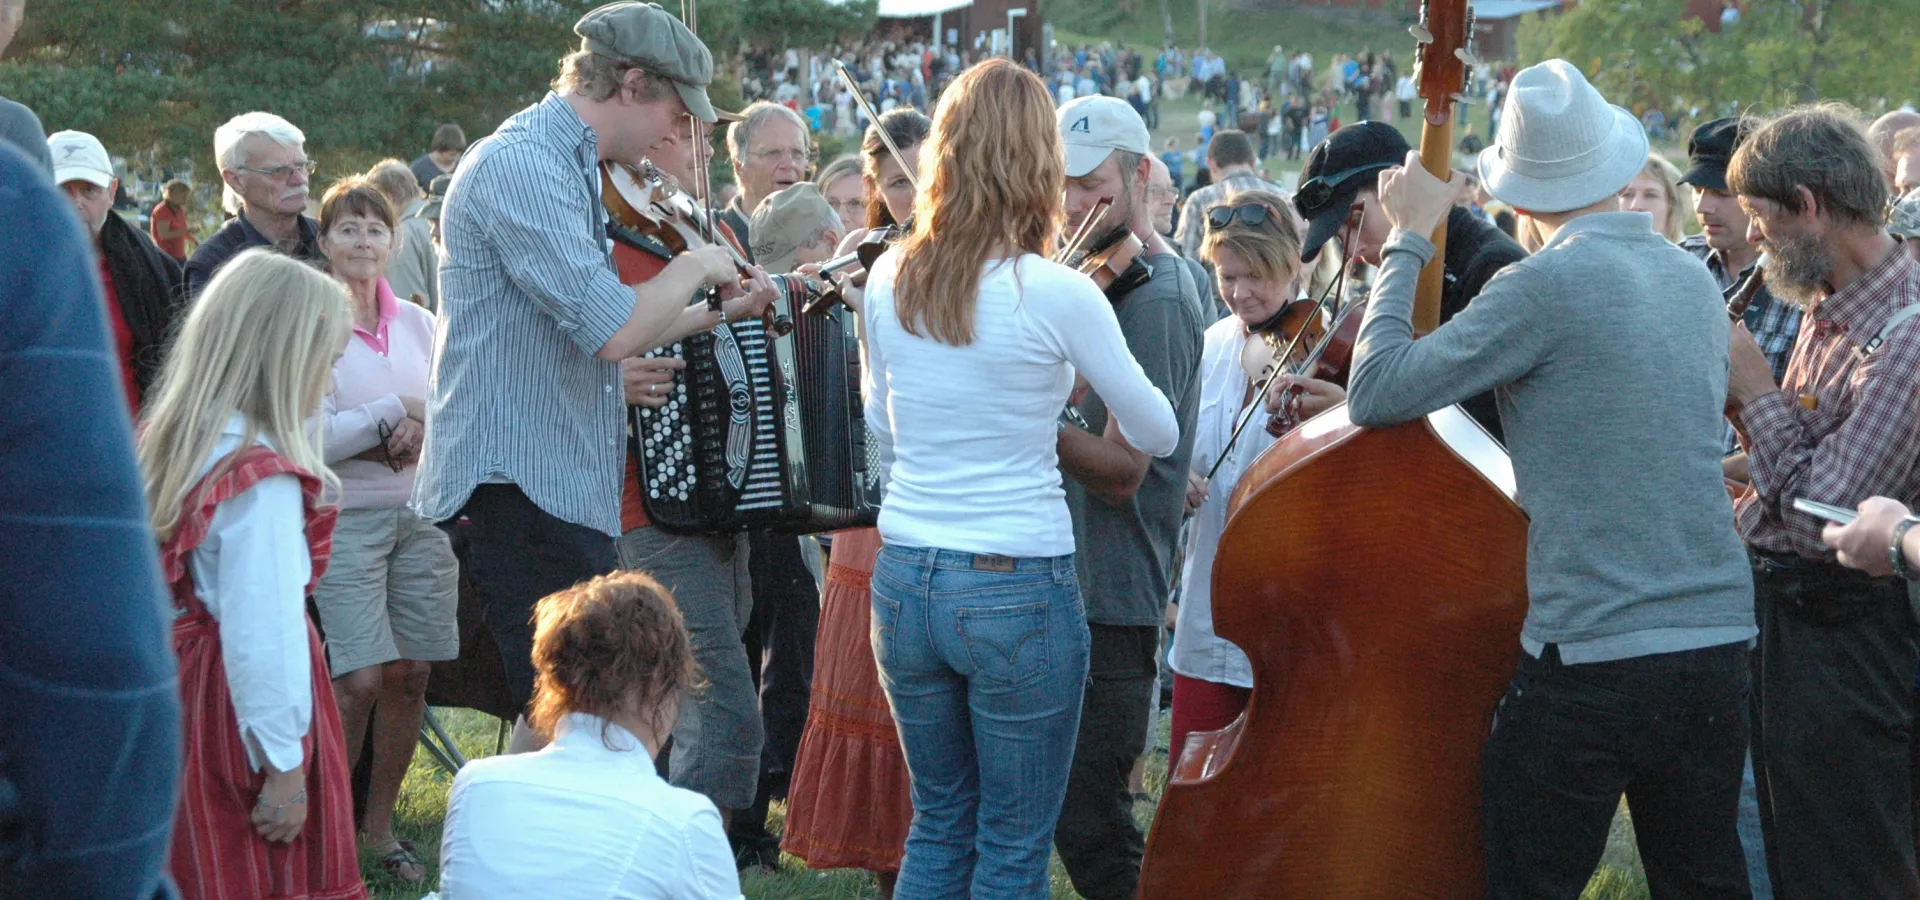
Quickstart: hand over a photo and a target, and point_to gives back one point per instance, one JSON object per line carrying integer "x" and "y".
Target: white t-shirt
{"x": 969, "y": 432}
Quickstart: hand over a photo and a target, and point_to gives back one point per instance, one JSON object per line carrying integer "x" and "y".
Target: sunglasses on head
{"x": 1252, "y": 215}
{"x": 1318, "y": 191}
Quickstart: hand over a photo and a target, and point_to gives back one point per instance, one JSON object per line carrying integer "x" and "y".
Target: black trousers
{"x": 514, "y": 553}
{"x": 1833, "y": 715}
{"x": 1100, "y": 844}
{"x": 1668, "y": 731}
{"x": 780, "y": 636}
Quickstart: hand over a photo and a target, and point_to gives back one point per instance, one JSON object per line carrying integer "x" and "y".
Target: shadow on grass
{"x": 423, "y": 805}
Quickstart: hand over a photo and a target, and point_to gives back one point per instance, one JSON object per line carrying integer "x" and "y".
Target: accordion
{"x": 764, "y": 429}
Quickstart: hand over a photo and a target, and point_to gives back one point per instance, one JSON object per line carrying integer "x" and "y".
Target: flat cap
{"x": 1709, "y": 150}
{"x": 646, "y": 35}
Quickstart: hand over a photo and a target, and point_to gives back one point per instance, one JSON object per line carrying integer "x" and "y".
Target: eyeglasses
{"x": 801, "y": 158}
{"x": 1317, "y": 192}
{"x": 281, "y": 173}
{"x": 386, "y": 452}
{"x": 1252, "y": 215}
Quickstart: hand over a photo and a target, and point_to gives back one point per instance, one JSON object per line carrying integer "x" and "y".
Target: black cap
{"x": 1709, "y": 150}
{"x": 1336, "y": 170}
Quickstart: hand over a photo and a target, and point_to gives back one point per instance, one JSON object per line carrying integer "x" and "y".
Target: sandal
{"x": 396, "y": 861}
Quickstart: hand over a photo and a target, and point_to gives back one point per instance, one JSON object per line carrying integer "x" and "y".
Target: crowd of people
{"x": 258, "y": 473}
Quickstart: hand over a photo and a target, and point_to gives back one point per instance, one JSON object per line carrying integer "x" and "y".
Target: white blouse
{"x": 969, "y": 433}
{"x": 1197, "y": 652}
{"x": 251, "y": 573}
{"x": 580, "y": 819}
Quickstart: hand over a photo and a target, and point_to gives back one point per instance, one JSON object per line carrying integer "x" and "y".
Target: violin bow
{"x": 1085, "y": 232}
{"x": 860, "y": 97}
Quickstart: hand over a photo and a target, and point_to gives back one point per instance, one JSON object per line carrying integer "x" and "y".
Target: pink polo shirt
{"x": 377, "y": 369}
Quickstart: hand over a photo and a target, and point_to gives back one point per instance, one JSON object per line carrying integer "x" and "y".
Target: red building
{"x": 970, "y": 23}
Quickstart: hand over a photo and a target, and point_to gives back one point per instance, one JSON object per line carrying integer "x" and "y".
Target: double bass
{"x": 1376, "y": 579}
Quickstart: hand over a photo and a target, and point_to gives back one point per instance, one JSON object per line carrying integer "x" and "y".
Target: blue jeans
{"x": 984, "y": 661}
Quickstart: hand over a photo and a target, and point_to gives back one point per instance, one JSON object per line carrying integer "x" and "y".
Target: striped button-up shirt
{"x": 528, "y": 295}
{"x": 1774, "y": 323}
{"x": 1862, "y": 435}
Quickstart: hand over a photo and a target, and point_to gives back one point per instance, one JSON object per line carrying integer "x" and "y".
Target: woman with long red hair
{"x": 973, "y": 338}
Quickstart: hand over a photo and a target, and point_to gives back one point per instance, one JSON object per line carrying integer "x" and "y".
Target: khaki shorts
{"x": 390, "y": 592}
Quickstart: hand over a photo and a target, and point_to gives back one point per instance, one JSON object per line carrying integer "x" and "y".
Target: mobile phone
{"x": 1825, "y": 511}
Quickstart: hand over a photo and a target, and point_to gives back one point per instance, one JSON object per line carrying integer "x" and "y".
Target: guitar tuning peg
{"x": 1420, "y": 33}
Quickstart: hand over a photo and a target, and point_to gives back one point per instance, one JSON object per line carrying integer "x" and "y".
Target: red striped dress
{"x": 216, "y": 854}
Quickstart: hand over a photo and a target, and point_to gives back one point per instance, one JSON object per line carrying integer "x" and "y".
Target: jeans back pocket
{"x": 1007, "y": 645}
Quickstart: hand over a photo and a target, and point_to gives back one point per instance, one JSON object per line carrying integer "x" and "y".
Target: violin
{"x": 825, "y": 292}
{"x": 1116, "y": 262}
{"x": 644, "y": 203}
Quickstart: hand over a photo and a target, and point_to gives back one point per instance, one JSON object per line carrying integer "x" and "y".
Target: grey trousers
{"x": 716, "y": 745}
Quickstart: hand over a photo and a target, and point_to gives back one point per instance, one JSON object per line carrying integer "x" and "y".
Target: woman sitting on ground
{"x": 588, "y": 815}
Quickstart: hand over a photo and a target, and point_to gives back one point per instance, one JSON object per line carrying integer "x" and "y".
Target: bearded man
{"x": 1832, "y": 688}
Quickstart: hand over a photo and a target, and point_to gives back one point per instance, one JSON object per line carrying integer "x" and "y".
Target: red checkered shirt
{"x": 1861, "y": 439}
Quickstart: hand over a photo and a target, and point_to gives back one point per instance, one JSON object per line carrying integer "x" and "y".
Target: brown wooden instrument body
{"x": 1377, "y": 581}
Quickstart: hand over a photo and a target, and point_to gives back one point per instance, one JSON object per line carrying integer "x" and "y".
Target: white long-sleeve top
{"x": 973, "y": 429}
{"x": 1198, "y": 652}
{"x": 587, "y": 816}
{"x": 251, "y": 573}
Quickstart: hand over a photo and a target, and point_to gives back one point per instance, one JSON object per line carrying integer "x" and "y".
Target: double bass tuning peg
{"x": 1466, "y": 56}
{"x": 1420, "y": 33}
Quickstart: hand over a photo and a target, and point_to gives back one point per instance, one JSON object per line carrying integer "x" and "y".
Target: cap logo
{"x": 1081, "y": 126}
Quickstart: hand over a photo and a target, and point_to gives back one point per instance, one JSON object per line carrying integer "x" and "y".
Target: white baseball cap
{"x": 79, "y": 156}
{"x": 1093, "y": 127}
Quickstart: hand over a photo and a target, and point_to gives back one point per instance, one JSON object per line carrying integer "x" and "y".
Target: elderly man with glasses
{"x": 771, "y": 152}
{"x": 264, "y": 163}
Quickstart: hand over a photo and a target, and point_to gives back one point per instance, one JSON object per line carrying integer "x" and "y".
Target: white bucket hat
{"x": 1561, "y": 146}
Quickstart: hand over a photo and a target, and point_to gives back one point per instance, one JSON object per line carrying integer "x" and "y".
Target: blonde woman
{"x": 1656, "y": 192}
{"x": 1255, "y": 254}
{"x": 973, "y": 339}
{"x": 841, "y": 184}
{"x": 235, "y": 481}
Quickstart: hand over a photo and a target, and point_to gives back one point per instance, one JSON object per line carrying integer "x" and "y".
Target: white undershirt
{"x": 973, "y": 429}
{"x": 251, "y": 573}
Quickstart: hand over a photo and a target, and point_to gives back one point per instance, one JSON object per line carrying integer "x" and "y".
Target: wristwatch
{"x": 1896, "y": 555}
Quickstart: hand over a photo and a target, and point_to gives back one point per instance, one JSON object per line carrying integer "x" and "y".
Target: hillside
{"x": 1243, "y": 31}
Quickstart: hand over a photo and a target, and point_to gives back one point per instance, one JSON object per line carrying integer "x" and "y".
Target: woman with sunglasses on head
{"x": 973, "y": 337}
{"x": 1255, "y": 252}
{"x": 388, "y": 600}
{"x": 848, "y": 805}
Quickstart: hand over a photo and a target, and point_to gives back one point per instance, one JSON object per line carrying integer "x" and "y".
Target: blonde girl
{"x": 236, "y": 484}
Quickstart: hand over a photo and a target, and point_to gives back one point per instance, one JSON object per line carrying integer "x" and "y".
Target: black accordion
{"x": 764, "y": 428}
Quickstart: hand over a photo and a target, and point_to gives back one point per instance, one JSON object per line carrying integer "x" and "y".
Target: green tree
{"x": 1649, "y": 52}
{"x": 363, "y": 78}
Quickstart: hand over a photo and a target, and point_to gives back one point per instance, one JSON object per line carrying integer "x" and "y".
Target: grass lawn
{"x": 423, "y": 804}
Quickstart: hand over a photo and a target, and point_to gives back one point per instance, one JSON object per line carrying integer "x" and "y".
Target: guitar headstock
{"x": 1445, "y": 56}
